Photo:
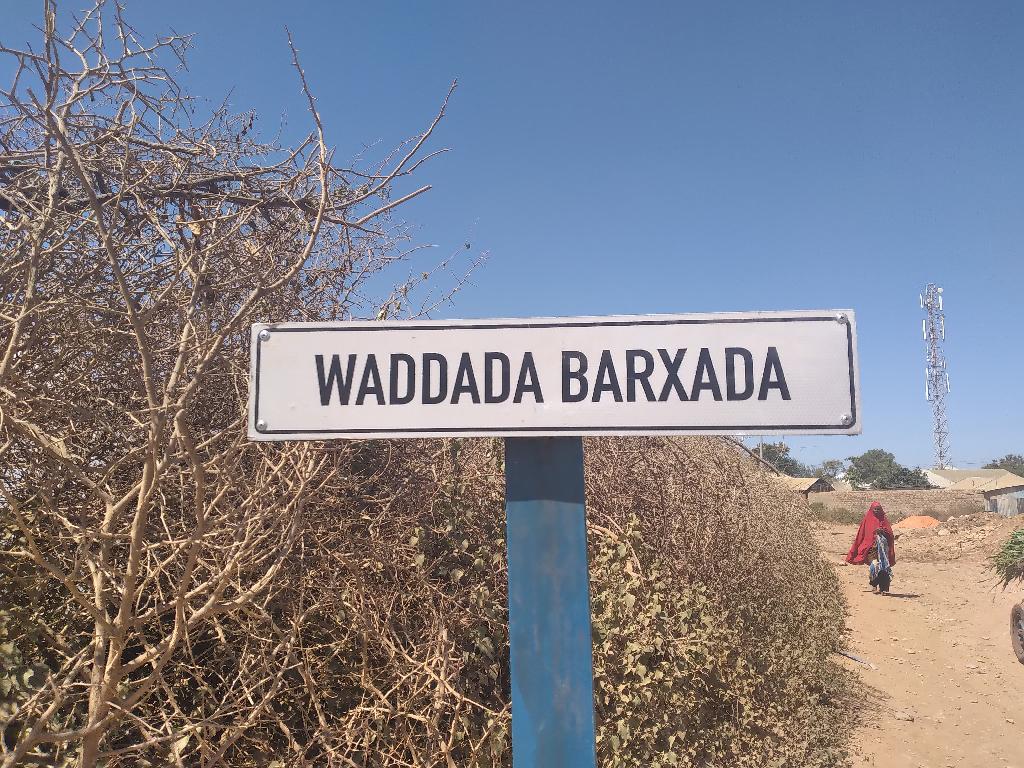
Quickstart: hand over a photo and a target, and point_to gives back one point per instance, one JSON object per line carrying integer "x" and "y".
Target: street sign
{"x": 725, "y": 373}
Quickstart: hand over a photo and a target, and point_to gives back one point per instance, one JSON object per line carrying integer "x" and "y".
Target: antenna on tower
{"x": 936, "y": 385}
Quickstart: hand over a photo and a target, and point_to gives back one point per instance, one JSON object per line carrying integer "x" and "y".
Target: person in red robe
{"x": 875, "y": 546}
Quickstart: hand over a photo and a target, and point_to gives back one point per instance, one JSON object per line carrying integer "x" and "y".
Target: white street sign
{"x": 733, "y": 373}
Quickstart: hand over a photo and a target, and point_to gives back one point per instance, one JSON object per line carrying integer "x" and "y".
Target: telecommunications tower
{"x": 936, "y": 377}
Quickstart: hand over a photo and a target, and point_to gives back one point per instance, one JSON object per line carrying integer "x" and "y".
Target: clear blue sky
{"x": 671, "y": 157}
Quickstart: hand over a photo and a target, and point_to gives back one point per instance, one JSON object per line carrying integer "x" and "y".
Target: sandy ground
{"x": 940, "y": 647}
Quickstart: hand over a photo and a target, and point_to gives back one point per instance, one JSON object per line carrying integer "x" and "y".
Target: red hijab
{"x": 874, "y": 520}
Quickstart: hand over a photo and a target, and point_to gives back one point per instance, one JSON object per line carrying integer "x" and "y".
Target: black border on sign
{"x": 568, "y": 430}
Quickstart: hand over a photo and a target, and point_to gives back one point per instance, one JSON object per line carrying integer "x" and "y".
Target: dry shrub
{"x": 714, "y": 616}
{"x": 402, "y": 567}
{"x": 715, "y": 613}
{"x": 142, "y": 536}
{"x": 823, "y": 513}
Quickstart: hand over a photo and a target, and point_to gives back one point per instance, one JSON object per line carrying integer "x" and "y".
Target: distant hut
{"x": 1003, "y": 494}
{"x": 806, "y": 485}
{"x": 1003, "y": 491}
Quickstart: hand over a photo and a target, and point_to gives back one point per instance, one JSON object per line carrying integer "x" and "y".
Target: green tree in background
{"x": 777, "y": 454}
{"x": 879, "y": 469}
{"x": 831, "y": 470}
{"x": 1011, "y": 462}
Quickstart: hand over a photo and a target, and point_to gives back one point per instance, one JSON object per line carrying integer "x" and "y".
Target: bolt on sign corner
{"x": 723, "y": 373}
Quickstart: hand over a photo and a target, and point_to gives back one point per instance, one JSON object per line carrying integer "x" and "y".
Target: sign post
{"x": 549, "y": 604}
{"x": 543, "y": 384}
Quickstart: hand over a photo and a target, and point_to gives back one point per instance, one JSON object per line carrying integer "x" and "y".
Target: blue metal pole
{"x": 549, "y": 604}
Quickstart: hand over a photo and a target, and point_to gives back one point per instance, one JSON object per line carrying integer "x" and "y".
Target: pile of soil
{"x": 974, "y": 536}
{"x": 976, "y": 520}
{"x": 916, "y": 522}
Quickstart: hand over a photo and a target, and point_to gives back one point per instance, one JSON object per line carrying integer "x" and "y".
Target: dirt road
{"x": 941, "y": 651}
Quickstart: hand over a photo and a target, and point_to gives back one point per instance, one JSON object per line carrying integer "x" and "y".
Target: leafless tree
{"x": 137, "y": 245}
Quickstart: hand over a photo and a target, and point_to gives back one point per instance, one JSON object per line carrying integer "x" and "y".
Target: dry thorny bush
{"x": 172, "y": 594}
{"x": 138, "y": 245}
{"x": 715, "y": 615}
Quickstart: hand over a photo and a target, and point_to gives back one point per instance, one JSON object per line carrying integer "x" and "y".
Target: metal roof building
{"x": 806, "y": 485}
{"x": 945, "y": 478}
{"x": 1003, "y": 491}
